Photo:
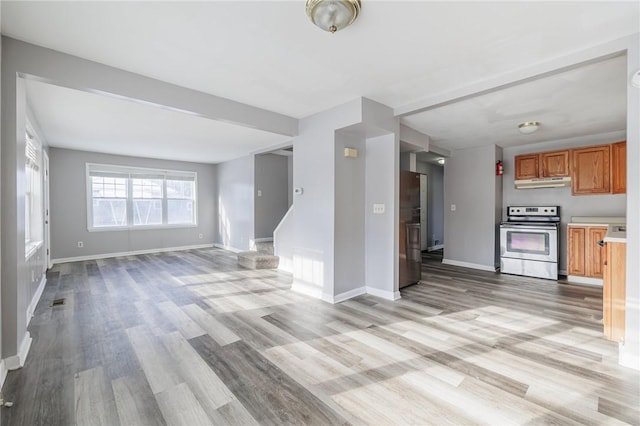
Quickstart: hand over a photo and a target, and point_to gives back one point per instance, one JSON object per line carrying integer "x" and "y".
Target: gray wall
{"x": 69, "y": 208}
{"x": 470, "y": 184}
{"x": 581, "y": 205}
{"x": 435, "y": 201}
{"x": 349, "y": 211}
{"x": 235, "y": 180}
{"x": 289, "y": 181}
{"x": 272, "y": 179}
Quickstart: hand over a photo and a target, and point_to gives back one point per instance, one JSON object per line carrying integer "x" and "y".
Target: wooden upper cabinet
{"x": 554, "y": 164}
{"x": 590, "y": 170}
{"x": 527, "y": 166}
{"x": 619, "y": 167}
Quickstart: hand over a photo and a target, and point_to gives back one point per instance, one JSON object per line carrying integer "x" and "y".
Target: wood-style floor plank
{"x": 190, "y": 338}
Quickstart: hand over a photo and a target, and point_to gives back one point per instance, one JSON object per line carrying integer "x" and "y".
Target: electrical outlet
{"x": 80, "y": 244}
{"x": 453, "y": 207}
{"x": 259, "y": 193}
{"x": 200, "y": 236}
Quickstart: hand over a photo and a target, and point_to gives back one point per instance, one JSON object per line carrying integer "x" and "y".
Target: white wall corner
{"x": 627, "y": 358}
{"x": 18, "y": 360}
{"x": 3, "y": 372}
{"x": 383, "y": 294}
{"x": 36, "y": 298}
{"x": 469, "y": 265}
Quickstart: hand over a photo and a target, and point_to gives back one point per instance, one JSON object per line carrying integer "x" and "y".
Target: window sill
{"x": 31, "y": 248}
{"x": 141, "y": 228}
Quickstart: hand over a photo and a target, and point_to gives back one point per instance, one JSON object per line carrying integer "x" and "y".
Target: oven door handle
{"x": 543, "y": 227}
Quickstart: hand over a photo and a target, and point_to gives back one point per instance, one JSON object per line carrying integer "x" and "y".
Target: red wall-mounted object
{"x": 499, "y": 168}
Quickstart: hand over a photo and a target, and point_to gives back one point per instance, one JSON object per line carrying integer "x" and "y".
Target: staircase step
{"x": 264, "y": 247}
{"x": 257, "y": 260}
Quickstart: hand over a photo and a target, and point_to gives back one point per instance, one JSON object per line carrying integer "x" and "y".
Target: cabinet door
{"x": 576, "y": 236}
{"x": 527, "y": 166}
{"x": 554, "y": 164}
{"x": 614, "y": 291}
{"x": 619, "y": 167}
{"x": 590, "y": 170}
{"x": 594, "y": 253}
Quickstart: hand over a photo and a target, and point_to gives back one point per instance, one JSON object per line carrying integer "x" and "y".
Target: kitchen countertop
{"x": 616, "y": 233}
{"x": 598, "y": 220}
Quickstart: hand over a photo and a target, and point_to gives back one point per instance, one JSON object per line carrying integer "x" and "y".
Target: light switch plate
{"x": 453, "y": 207}
{"x": 378, "y": 209}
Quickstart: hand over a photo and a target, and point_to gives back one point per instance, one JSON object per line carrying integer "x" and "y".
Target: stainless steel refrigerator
{"x": 410, "y": 254}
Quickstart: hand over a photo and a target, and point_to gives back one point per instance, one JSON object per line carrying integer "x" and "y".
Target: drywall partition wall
{"x": 582, "y": 205}
{"x": 289, "y": 181}
{"x": 382, "y": 177}
{"x": 235, "y": 190}
{"x": 470, "y": 206}
{"x": 69, "y": 208}
{"x": 271, "y": 193}
{"x": 630, "y": 350}
{"x": 435, "y": 202}
{"x": 349, "y": 268}
{"x": 314, "y": 182}
{"x": 2, "y": 364}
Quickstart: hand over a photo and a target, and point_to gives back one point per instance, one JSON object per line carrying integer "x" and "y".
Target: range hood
{"x": 552, "y": 182}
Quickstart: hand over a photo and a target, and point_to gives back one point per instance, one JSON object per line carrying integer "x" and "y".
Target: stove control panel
{"x": 533, "y": 211}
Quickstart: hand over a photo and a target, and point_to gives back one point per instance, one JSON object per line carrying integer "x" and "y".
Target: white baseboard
{"x": 263, "y": 240}
{"x": 585, "y": 280}
{"x": 307, "y": 289}
{"x": 436, "y": 247}
{"x": 383, "y": 294}
{"x": 3, "y": 373}
{"x": 469, "y": 265}
{"x": 348, "y": 295}
{"x": 129, "y": 253}
{"x": 17, "y": 361}
{"x": 628, "y": 359}
{"x": 228, "y": 248}
{"x": 35, "y": 299}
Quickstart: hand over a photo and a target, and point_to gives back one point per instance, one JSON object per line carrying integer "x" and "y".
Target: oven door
{"x": 529, "y": 242}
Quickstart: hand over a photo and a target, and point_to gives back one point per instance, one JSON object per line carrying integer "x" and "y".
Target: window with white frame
{"x": 125, "y": 197}
{"x": 33, "y": 218}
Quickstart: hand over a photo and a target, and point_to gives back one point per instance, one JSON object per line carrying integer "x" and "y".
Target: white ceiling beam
{"x": 50, "y": 66}
{"x": 512, "y": 78}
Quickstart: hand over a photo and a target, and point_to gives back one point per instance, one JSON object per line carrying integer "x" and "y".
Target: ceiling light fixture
{"x": 333, "y": 15}
{"x": 528, "y": 127}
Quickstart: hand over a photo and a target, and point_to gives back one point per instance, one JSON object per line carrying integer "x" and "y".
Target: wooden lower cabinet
{"x": 614, "y": 292}
{"x": 585, "y": 256}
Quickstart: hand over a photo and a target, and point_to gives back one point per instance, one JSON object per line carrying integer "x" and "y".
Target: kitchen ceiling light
{"x": 333, "y": 15}
{"x": 528, "y": 127}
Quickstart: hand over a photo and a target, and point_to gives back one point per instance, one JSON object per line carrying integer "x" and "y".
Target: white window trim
{"x": 130, "y": 169}
{"x": 31, "y": 246}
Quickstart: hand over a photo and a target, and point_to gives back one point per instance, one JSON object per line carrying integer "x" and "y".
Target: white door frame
{"x": 47, "y": 227}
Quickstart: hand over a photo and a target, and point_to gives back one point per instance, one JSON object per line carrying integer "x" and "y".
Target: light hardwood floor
{"x": 189, "y": 338}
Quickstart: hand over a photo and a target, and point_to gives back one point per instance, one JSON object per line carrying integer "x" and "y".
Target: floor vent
{"x": 57, "y": 302}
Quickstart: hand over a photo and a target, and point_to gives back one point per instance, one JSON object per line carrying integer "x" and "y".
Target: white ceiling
{"x": 269, "y": 55}
{"x": 584, "y": 101}
{"x": 89, "y": 122}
